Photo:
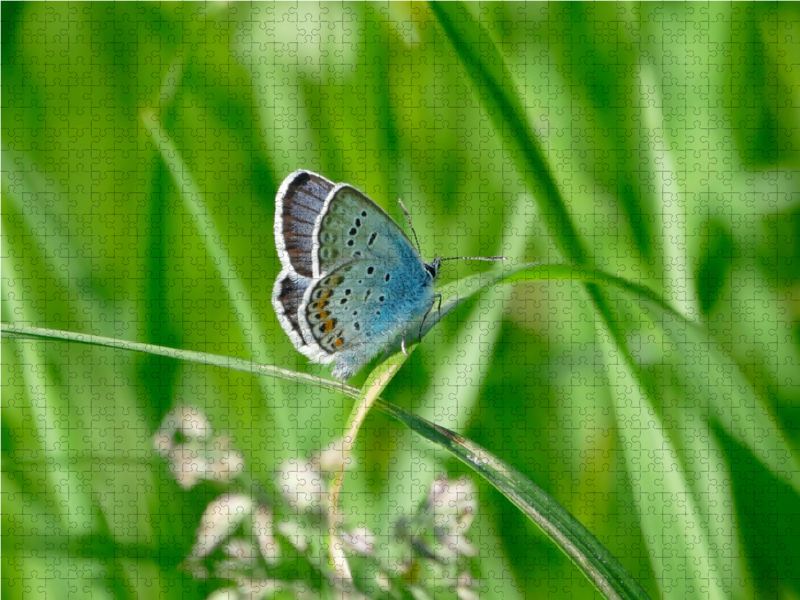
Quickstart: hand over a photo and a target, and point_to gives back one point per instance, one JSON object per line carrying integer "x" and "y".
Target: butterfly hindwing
{"x": 287, "y": 297}
{"x": 360, "y": 308}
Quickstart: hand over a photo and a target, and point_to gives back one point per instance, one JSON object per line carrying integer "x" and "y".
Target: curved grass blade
{"x": 462, "y": 290}
{"x": 458, "y": 292}
{"x": 778, "y": 457}
{"x": 566, "y": 532}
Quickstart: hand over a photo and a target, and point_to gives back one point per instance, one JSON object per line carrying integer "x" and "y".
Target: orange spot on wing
{"x": 323, "y": 315}
{"x": 338, "y": 342}
{"x": 320, "y": 304}
{"x": 328, "y": 324}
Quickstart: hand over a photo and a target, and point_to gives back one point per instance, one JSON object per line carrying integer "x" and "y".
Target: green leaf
{"x": 716, "y": 258}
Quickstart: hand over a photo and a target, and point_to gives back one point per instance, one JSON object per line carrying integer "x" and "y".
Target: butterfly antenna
{"x": 474, "y": 258}
{"x": 408, "y": 218}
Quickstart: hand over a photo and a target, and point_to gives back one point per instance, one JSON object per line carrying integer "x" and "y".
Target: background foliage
{"x": 139, "y": 137}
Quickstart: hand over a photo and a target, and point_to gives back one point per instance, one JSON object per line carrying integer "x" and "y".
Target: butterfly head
{"x": 432, "y": 269}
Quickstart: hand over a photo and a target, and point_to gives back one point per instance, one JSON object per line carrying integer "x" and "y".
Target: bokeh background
{"x": 139, "y": 138}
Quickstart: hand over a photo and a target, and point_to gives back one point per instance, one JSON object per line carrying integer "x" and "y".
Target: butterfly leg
{"x": 427, "y": 312}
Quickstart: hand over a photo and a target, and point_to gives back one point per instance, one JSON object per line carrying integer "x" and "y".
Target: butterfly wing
{"x": 298, "y": 204}
{"x": 350, "y": 226}
{"x": 352, "y": 282}
{"x": 287, "y": 297}
{"x": 360, "y": 309}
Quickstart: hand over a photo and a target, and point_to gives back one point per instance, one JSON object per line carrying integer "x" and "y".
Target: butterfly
{"x": 352, "y": 283}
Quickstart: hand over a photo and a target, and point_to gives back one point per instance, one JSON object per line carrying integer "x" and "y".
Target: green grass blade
{"x": 564, "y": 530}
{"x": 567, "y": 533}
{"x": 743, "y": 409}
{"x": 193, "y": 200}
{"x": 739, "y": 409}
{"x": 458, "y": 292}
{"x": 204, "y": 358}
{"x": 492, "y": 81}
{"x": 671, "y": 520}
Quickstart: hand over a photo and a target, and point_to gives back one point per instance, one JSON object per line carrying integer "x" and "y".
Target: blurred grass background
{"x": 671, "y": 130}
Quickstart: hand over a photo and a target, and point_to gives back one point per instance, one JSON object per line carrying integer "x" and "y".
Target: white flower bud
{"x": 262, "y": 530}
{"x": 220, "y": 519}
{"x": 360, "y": 540}
{"x": 332, "y": 459}
{"x": 188, "y": 464}
{"x": 230, "y": 593}
{"x": 294, "y": 533}
{"x": 465, "y": 587}
{"x": 302, "y": 485}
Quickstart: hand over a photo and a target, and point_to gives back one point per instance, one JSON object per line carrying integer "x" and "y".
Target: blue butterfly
{"x": 352, "y": 282}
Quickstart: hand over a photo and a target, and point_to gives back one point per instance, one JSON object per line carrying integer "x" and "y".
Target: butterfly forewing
{"x": 353, "y": 227}
{"x": 299, "y": 202}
